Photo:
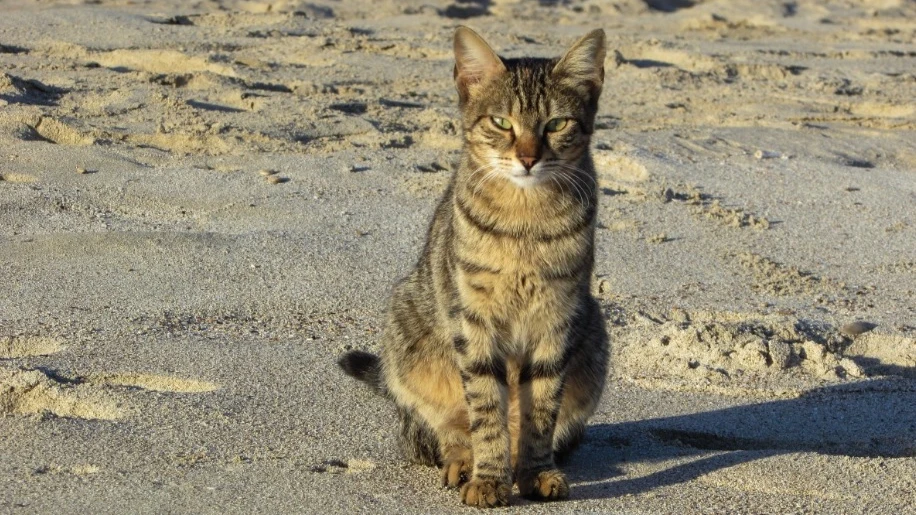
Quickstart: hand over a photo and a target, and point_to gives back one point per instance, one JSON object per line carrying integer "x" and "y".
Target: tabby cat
{"x": 495, "y": 351}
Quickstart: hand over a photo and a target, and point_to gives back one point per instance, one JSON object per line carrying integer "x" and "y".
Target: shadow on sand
{"x": 875, "y": 418}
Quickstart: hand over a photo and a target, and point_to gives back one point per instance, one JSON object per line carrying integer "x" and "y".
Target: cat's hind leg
{"x": 584, "y": 384}
{"x": 433, "y": 413}
{"x": 451, "y": 451}
{"x": 447, "y": 430}
{"x": 418, "y": 441}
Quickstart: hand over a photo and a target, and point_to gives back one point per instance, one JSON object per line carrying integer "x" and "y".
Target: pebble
{"x": 667, "y": 195}
{"x": 604, "y": 286}
{"x": 658, "y": 238}
{"x": 857, "y": 328}
{"x": 275, "y": 179}
{"x": 82, "y": 171}
{"x": 766, "y": 154}
{"x": 264, "y": 172}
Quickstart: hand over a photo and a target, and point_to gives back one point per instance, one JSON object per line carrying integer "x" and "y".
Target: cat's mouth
{"x": 525, "y": 179}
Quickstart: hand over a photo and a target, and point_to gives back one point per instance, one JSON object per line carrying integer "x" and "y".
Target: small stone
{"x": 82, "y": 171}
{"x": 857, "y": 328}
{"x": 276, "y": 179}
{"x": 618, "y": 59}
{"x": 434, "y": 167}
{"x": 264, "y": 172}
{"x": 604, "y": 286}
{"x": 658, "y": 238}
{"x": 766, "y": 154}
{"x": 667, "y": 195}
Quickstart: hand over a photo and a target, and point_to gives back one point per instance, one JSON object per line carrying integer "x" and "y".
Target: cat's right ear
{"x": 475, "y": 62}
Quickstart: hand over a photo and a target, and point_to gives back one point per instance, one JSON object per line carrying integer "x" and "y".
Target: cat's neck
{"x": 528, "y": 210}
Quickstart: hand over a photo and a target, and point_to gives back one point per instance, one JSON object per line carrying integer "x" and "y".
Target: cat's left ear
{"x": 583, "y": 64}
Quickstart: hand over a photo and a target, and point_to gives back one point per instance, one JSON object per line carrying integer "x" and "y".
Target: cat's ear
{"x": 583, "y": 64}
{"x": 475, "y": 61}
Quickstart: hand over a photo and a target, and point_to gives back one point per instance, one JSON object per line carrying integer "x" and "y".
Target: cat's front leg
{"x": 540, "y": 394}
{"x": 483, "y": 373}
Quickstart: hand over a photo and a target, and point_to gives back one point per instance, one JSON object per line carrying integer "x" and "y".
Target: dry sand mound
{"x": 747, "y": 354}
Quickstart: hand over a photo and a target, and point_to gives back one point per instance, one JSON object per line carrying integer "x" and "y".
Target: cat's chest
{"x": 516, "y": 275}
{"x": 521, "y": 288}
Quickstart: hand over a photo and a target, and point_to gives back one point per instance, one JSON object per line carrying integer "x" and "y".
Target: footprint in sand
{"x": 28, "y": 391}
{"x": 23, "y": 346}
{"x": 17, "y": 178}
{"x": 706, "y": 207}
{"x": 159, "y": 61}
{"x": 620, "y": 168}
{"x": 49, "y": 130}
{"x": 153, "y": 382}
{"x": 95, "y": 396}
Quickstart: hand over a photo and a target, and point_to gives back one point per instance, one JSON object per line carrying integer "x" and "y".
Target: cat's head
{"x": 527, "y": 120}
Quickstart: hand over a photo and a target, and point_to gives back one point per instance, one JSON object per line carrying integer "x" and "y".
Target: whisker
{"x": 581, "y": 172}
{"x": 587, "y": 189}
{"x": 486, "y": 167}
{"x": 578, "y": 190}
{"x": 488, "y": 176}
{"x": 590, "y": 188}
{"x": 491, "y": 171}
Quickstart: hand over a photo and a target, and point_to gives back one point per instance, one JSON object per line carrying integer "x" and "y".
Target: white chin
{"x": 525, "y": 181}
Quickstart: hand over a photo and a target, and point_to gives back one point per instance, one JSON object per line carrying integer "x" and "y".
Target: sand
{"x": 202, "y": 204}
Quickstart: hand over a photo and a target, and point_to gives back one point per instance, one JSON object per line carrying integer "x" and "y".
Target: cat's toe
{"x": 455, "y": 473}
{"x": 485, "y": 493}
{"x": 546, "y": 485}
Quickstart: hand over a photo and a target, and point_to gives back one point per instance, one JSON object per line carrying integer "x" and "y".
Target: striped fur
{"x": 495, "y": 352}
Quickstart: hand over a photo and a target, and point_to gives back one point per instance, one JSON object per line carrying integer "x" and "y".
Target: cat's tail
{"x": 366, "y": 367}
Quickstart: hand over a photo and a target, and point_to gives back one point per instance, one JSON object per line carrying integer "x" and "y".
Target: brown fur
{"x": 494, "y": 351}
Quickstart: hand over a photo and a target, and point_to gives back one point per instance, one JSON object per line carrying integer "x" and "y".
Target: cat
{"x": 494, "y": 351}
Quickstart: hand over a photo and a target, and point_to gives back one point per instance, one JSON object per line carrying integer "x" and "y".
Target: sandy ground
{"x": 169, "y": 317}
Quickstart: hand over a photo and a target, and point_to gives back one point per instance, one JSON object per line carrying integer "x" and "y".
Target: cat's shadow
{"x": 876, "y": 418}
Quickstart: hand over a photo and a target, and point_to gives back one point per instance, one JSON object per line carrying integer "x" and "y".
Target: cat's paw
{"x": 485, "y": 493}
{"x": 455, "y": 473}
{"x": 546, "y": 485}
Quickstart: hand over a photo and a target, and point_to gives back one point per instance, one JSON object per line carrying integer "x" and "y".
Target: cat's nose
{"x": 527, "y": 162}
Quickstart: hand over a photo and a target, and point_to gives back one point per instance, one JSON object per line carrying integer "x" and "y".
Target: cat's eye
{"x": 556, "y": 125}
{"x": 502, "y": 123}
